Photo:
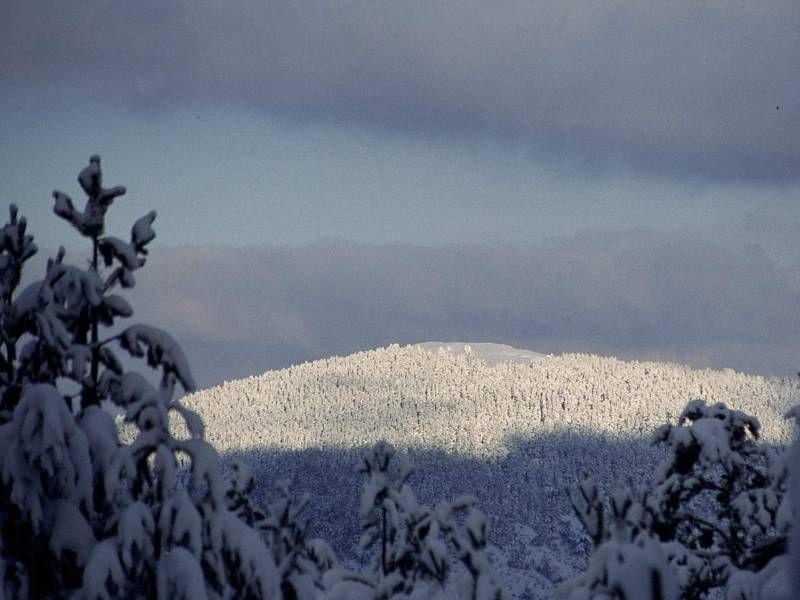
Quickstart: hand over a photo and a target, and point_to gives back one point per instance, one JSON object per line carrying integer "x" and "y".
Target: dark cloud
{"x": 702, "y": 89}
{"x": 634, "y": 294}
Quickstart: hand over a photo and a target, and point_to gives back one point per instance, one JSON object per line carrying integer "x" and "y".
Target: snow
{"x": 135, "y": 535}
{"x": 90, "y": 177}
{"x": 714, "y": 448}
{"x": 254, "y": 561}
{"x": 243, "y": 478}
{"x": 478, "y": 528}
{"x": 193, "y": 421}
{"x": 24, "y": 305}
{"x": 181, "y": 525}
{"x": 142, "y": 232}
{"x": 90, "y": 222}
{"x": 79, "y": 357}
{"x": 491, "y": 353}
{"x": 632, "y": 569}
{"x": 771, "y": 583}
{"x": 70, "y": 531}
{"x": 65, "y": 209}
{"x": 180, "y": 576}
{"x": 103, "y": 571}
{"x": 414, "y": 398}
{"x": 165, "y": 468}
{"x": 341, "y": 403}
{"x": 52, "y": 329}
{"x": 101, "y": 432}
{"x": 205, "y": 469}
{"x": 350, "y": 590}
{"x": 114, "y": 248}
{"x": 162, "y": 350}
{"x": 72, "y": 288}
{"x": 18, "y": 244}
{"x": 48, "y": 455}
{"x": 134, "y": 388}
{"x": 117, "y": 306}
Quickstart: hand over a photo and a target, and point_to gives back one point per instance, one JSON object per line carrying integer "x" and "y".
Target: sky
{"x": 614, "y": 177}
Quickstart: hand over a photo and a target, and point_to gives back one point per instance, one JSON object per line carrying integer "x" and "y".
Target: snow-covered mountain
{"x": 451, "y": 400}
{"x": 513, "y": 427}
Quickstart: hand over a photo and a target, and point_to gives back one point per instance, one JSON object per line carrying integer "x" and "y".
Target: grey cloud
{"x": 634, "y": 294}
{"x": 686, "y": 88}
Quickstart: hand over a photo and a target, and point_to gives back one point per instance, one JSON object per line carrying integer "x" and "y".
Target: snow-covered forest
{"x": 533, "y": 480}
{"x": 529, "y": 428}
{"x": 416, "y": 398}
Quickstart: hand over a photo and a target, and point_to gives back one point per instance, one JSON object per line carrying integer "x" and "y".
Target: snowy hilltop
{"x": 491, "y": 354}
{"x": 459, "y": 402}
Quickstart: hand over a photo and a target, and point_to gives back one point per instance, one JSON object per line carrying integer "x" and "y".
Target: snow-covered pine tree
{"x": 82, "y": 514}
{"x": 416, "y": 545}
{"x": 301, "y": 562}
{"x": 717, "y": 516}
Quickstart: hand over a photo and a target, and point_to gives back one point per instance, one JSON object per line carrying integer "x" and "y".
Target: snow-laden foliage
{"x": 45, "y": 456}
{"x": 717, "y": 516}
{"x": 17, "y": 310}
{"x": 300, "y": 562}
{"x": 417, "y": 552}
{"x": 415, "y": 546}
{"x": 83, "y": 515}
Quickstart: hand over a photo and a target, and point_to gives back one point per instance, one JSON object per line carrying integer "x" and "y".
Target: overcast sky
{"x": 620, "y": 177}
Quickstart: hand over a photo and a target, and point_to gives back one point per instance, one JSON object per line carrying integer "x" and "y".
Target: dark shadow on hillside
{"x": 525, "y": 487}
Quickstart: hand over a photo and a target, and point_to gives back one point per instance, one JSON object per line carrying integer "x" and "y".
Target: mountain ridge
{"x": 414, "y": 397}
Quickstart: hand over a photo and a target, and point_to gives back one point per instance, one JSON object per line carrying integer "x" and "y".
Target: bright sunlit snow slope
{"x": 458, "y": 402}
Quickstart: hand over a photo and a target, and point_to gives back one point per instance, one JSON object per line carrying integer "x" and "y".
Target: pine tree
{"x": 717, "y": 516}
{"x": 79, "y": 509}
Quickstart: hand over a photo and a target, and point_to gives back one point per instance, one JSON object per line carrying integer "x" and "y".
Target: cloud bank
{"x": 698, "y": 89}
{"x": 635, "y": 294}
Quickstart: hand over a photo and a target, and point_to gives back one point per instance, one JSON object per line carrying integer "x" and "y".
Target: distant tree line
{"x": 412, "y": 397}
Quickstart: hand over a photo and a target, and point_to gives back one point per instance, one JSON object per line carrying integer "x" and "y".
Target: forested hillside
{"x": 516, "y": 435}
{"x": 419, "y": 399}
